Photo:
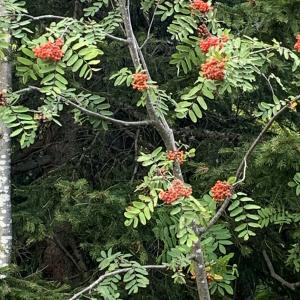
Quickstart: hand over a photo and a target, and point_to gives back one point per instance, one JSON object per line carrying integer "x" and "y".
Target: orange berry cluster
{"x": 209, "y": 277}
{"x": 221, "y": 190}
{"x": 175, "y": 191}
{"x": 3, "y": 98}
{"x": 176, "y": 155}
{"x": 203, "y": 31}
{"x": 297, "y": 45}
{"x": 140, "y": 81}
{"x": 201, "y": 6}
{"x": 213, "y": 41}
{"x": 214, "y": 69}
{"x": 50, "y": 50}
{"x": 209, "y": 42}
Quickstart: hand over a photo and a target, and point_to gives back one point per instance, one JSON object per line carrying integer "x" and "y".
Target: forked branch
{"x": 291, "y": 286}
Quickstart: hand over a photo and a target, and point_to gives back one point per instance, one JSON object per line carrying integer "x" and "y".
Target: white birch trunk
{"x": 5, "y": 203}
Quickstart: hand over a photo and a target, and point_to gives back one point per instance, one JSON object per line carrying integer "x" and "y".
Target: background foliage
{"x": 73, "y": 184}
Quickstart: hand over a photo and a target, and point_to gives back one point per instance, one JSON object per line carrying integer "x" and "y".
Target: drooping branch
{"x": 291, "y": 286}
{"x": 119, "y": 271}
{"x": 109, "y": 119}
{"x": 91, "y": 113}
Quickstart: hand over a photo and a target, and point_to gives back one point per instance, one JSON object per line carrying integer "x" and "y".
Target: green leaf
{"x": 234, "y": 205}
{"x": 241, "y": 227}
{"x": 236, "y": 212}
{"x": 142, "y": 218}
{"x": 48, "y": 78}
{"x": 61, "y": 78}
{"x": 77, "y": 65}
{"x": 72, "y": 60}
{"x": 251, "y": 206}
{"x": 228, "y": 289}
{"x": 202, "y": 102}
{"x": 91, "y": 55}
{"x": 255, "y": 225}
{"x": 139, "y": 205}
{"x": 28, "y": 52}
{"x": 197, "y": 110}
{"x": 24, "y": 61}
{"x": 147, "y": 213}
{"x": 175, "y": 211}
{"x": 192, "y": 116}
{"x": 16, "y": 132}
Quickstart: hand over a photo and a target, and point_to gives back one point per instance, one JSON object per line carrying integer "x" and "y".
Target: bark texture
{"x": 5, "y": 203}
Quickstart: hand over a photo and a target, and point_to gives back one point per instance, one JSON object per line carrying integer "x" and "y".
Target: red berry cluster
{"x": 3, "y": 98}
{"x": 214, "y": 69}
{"x": 201, "y": 6}
{"x": 140, "y": 81}
{"x": 176, "y": 155}
{"x": 297, "y": 45}
{"x": 50, "y": 50}
{"x": 221, "y": 190}
{"x": 175, "y": 191}
{"x": 203, "y": 31}
{"x": 213, "y": 41}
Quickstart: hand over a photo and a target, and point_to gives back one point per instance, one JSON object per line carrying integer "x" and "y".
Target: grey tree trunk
{"x": 5, "y": 203}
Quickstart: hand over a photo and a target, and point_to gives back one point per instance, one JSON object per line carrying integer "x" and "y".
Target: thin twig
{"x": 136, "y": 166}
{"x": 43, "y": 17}
{"x": 291, "y": 286}
{"x": 116, "y": 38}
{"x": 101, "y": 278}
{"x": 150, "y": 26}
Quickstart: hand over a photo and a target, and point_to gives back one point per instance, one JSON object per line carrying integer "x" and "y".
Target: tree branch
{"x": 291, "y": 286}
{"x": 45, "y": 17}
{"x": 42, "y": 17}
{"x": 109, "y": 119}
{"x": 259, "y": 137}
{"x": 243, "y": 165}
{"x": 116, "y": 38}
{"x": 92, "y": 113}
{"x": 120, "y": 271}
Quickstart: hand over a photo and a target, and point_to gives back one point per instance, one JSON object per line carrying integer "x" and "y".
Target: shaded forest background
{"x": 71, "y": 187}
